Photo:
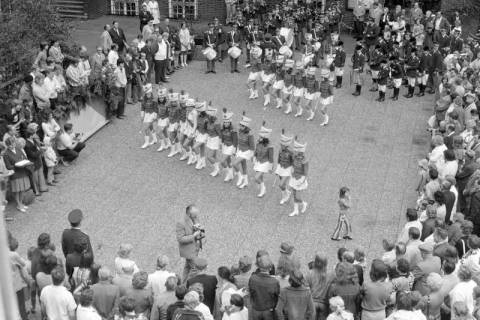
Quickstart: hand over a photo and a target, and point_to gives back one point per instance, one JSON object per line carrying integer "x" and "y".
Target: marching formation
{"x": 195, "y": 131}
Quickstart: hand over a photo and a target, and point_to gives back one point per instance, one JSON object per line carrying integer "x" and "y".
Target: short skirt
{"x": 213, "y": 143}
{"x": 149, "y": 117}
{"x": 298, "y": 184}
{"x": 201, "y": 137}
{"x": 163, "y": 122}
{"x": 182, "y": 127}
{"x": 247, "y": 154}
{"x": 297, "y": 92}
{"x": 20, "y": 184}
{"x": 283, "y": 172}
{"x": 287, "y": 91}
{"x": 253, "y": 76}
{"x": 228, "y": 150}
{"x": 278, "y": 85}
{"x": 326, "y": 101}
{"x": 189, "y": 132}
{"x": 172, "y": 127}
{"x": 309, "y": 96}
{"x": 264, "y": 167}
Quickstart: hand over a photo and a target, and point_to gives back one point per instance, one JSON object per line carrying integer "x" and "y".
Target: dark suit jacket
{"x": 209, "y": 283}
{"x": 118, "y": 38}
{"x": 72, "y": 260}
{"x": 34, "y": 154}
{"x": 448, "y": 141}
{"x": 72, "y": 236}
{"x": 449, "y": 202}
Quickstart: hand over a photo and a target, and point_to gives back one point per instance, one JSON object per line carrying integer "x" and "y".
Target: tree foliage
{"x": 23, "y": 25}
{"x": 466, "y": 7}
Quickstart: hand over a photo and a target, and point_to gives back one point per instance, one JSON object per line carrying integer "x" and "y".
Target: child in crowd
{"x": 343, "y": 224}
{"x": 360, "y": 259}
{"x": 123, "y": 259}
{"x": 337, "y": 306}
{"x": 50, "y": 159}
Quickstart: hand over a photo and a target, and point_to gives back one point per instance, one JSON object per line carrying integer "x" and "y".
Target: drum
{"x": 316, "y": 46}
{"x": 285, "y": 51}
{"x": 234, "y": 52}
{"x": 287, "y": 33}
{"x": 256, "y": 52}
{"x": 209, "y": 53}
{"x": 329, "y": 59}
{"x": 307, "y": 58}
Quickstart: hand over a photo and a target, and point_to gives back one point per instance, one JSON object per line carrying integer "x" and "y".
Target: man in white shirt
{"x": 56, "y": 301}
{"x": 157, "y": 279}
{"x": 412, "y": 221}
{"x": 113, "y": 55}
{"x": 120, "y": 88}
{"x": 69, "y": 144}
{"x": 161, "y": 56}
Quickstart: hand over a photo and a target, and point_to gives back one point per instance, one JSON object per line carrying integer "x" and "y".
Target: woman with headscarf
{"x": 16, "y": 160}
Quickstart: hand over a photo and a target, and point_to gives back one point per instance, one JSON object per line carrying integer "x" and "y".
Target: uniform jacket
{"x": 234, "y": 38}
{"x": 118, "y": 37}
{"x": 72, "y": 236}
{"x": 210, "y": 38}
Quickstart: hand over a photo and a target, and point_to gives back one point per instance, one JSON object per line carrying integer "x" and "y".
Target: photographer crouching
{"x": 189, "y": 236}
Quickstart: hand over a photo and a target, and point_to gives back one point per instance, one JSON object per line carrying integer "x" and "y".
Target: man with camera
{"x": 189, "y": 236}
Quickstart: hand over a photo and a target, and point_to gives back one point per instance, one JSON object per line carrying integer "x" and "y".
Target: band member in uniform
{"x": 288, "y": 87}
{"x": 246, "y": 146}
{"x": 229, "y": 139}
{"x": 326, "y": 95}
{"x": 248, "y": 30}
{"x": 318, "y": 37}
{"x": 220, "y": 35}
{"x": 148, "y": 115}
{"x": 339, "y": 63}
{"x": 173, "y": 117}
{"x": 213, "y": 140}
{"x": 278, "y": 83}
{"x": 190, "y": 130}
{"x": 375, "y": 57}
{"x": 210, "y": 41}
{"x": 263, "y": 158}
{"x": 426, "y": 63}
{"x": 284, "y": 165}
{"x": 298, "y": 88}
{"x": 396, "y": 72}
{"x": 310, "y": 92}
{"x": 182, "y": 125}
{"x": 298, "y": 182}
{"x": 278, "y": 40}
{"x": 383, "y": 75}
{"x": 234, "y": 38}
{"x": 358, "y": 60}
{"x": 411, "y": 68}
{"x": 268, "y": 77}
{"x": 162, "y": 122}
{"x": 201, "y": 135}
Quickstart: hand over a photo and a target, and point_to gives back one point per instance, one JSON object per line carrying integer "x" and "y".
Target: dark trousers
{"x": 72, "y": 154}
{"x": 121, "y": 103}
{"x": 21, "y": 304}
{"x": 211, "y": 65}
{"x": 263, "y": 315}
{"x": 160, "y": 70}
{"x": 233, "y": 64}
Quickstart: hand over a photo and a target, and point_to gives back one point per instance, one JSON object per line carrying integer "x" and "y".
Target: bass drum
{"x": 209, "y": 53}
{"x": 287, "y": 33}
{"x": 234, "y": 52}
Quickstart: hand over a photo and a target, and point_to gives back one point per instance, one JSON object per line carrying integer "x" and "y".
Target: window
{"x": 124, "y": 7}
{"x": 183, "y": 9}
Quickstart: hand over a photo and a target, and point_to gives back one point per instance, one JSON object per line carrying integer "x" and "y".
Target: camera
{"x": 199, "y": 227}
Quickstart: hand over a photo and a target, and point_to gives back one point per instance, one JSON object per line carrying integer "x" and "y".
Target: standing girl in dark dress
{"x": 19, "y": 181}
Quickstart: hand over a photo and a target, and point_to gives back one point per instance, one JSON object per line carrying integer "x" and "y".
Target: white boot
{"x": 255, "y": 94}
{"x": 199, "y": 162}
{"x": 162, "y": 145}
{"x": 285, "y": 196}
{"x": 194, "y": 158}
{"x": 299, "y": 112}
{"x": 190, "y": 157}
{"x": 244, "y": 182}
{"x": 289, "y": 108}
{"x": 240, "y": 179}
{"x": 229, "y": 175}
{"x": 216, "y": 169}
{"x": 295, "y": 210}
{"x": 252, "y": 94}
{"x": 146, "y": 144}
{"x": 204, "y": 162}
{"x": 267, "y": 99}
{"x": 325, "y": 121}
{"x": 262, "y": 190}
{"x": 173, "y": 151}
{"x": 304, "y": 206}
{"x": 154, "y": 139}
{"x": 185, "y": 156}
{"x": 168, "y": 144}
{"x": 279, "y": 103}
{"x": 312, "y": 114}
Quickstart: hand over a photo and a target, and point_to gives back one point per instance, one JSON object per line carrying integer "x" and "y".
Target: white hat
{"x": 201, "y": 106}
{"x": 325, "y": 73}
{"x": 308, "y": 36}
{"x": 227, "y": 116}
{"x": 289, "y": 63}
{"x": 173, "y": 96}
{"x": 211, "y": 111}
{"x": 311, "y": 71}
{"x": 299, "y": 64}
{"x": 162, "y": 92}
{"x": 245, "y": 121}
{"x": 147, "y": 88}
{"x": 280, "y": 59}
{"x": 285, "y": 140}
{"x": 265, "y": 132}
{"x": 183, "y": 97}
{"x": 190, "y": 102}
{"x": 298, "y": 147}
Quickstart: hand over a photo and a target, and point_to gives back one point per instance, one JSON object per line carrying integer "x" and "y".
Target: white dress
{"x": 154, "y": 10}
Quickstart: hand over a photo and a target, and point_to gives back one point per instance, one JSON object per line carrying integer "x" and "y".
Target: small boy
{"x": 337, "y": 306}
{"x": 359, "y": 255}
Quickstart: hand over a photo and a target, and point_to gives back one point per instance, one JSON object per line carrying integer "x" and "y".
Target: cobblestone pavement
{"x": 136, "y": 196}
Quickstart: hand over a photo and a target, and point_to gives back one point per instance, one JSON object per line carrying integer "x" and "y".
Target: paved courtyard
{"x": 136, "y": 196}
